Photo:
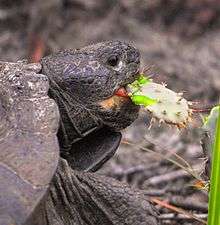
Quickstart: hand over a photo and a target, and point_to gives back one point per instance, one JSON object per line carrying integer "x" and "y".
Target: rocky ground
{"x": 179, "y": 42}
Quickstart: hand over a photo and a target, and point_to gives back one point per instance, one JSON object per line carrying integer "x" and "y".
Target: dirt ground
{"x": 179, "y": 42}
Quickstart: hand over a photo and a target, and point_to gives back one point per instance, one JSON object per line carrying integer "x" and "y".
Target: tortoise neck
{"x": 76, "y": 121}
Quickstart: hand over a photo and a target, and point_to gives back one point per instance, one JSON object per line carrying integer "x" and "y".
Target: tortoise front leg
{"x": 80, "y": 198}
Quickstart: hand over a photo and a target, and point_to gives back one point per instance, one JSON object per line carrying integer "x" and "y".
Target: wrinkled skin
{"x": 73, "y": 197}
{"x": 86, "y": 77}
{"x": 77, "y": 198}
{"x": 80, "y": 80}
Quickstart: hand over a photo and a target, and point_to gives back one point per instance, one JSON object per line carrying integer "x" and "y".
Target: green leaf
{"x": 211, "y": 117}
{"x": 214, "y": 195}
{"x": 210, "y": 121}
{"x": 135, "y": 87}
{"x": 142, "y": 100}
{"x": 142, "y": 79}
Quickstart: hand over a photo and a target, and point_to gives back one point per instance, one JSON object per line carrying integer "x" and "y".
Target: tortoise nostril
{"x": 133, "y": 56}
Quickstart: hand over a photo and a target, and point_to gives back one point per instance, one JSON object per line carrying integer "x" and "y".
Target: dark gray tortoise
{"x": 45, "y": 180}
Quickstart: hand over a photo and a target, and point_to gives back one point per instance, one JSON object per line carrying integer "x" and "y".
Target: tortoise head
{"x": 84, "y": 83}
{"x": 102, "y": 70}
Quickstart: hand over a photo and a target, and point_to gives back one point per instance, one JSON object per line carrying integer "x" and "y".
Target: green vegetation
{"x": 214, "y": 195}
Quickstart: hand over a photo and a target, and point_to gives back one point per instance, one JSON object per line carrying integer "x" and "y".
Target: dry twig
{"x": 176, "y": 209}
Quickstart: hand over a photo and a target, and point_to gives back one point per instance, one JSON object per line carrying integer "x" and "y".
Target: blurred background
{"x": 180, "y": 44}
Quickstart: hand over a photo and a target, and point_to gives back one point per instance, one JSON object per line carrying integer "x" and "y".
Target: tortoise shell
{"x": 29, "y": 121}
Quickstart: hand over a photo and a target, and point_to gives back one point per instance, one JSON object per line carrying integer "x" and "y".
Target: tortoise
{"x": 60, "y": 121}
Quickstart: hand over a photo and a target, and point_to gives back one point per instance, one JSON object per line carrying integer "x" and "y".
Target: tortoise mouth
{"x": 118, "y": 111}
{"x": 120, "y": 95}
{"x": 120, "y": 90}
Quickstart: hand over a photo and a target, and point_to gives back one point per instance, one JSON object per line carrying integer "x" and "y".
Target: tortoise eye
{"x": 113, "y": 60}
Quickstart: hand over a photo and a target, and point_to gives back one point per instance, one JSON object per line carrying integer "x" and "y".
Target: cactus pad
{"x": 164, "y": 104}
